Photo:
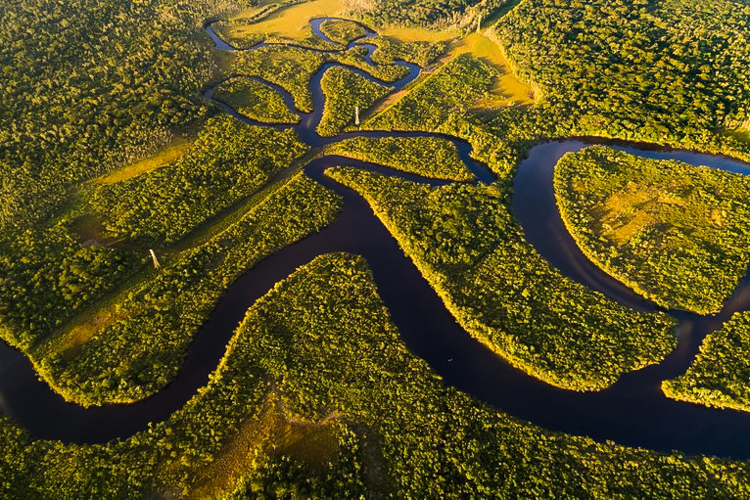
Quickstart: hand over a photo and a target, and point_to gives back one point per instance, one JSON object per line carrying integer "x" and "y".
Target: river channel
{"x": 633, "y": 412}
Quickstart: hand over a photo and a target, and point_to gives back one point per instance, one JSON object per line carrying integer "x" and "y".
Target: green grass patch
{"x": 281, "y": 21}
{"x": 740, "y": 132}
{"x": 173, "y": 152}
{"x": 507, "y": 89}
{"x": 677, "y": 234}
{"x": 313, "y": 444}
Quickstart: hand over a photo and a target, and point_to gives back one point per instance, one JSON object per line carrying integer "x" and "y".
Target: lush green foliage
{"x": 344, "y": 91}
{"x": 254, "y": 100}
{"x": 88, "y": 85}
{"x": 420, "y": 53}
{"x": 342, "y": 31}
{"x": 47, "y": 276}
{"x": 140, "y": 348}
{"x": 466, "y": 244}
{"x": 108, "y": 83}
{"x": 428, "y": 13}
{"x": 337, "y": 366}
{"x": 451, "y": 89}
{"x": 720, "y": 374}
{"x": 293, "y": 67}
{"x": 426, "y": 156}
{"x": 290, "y": 67}
{"x": 669, "y": 71}
{"x": 564, "y": 52}
{"x": 677, "y": 234}
{"x": 228, "y": 161}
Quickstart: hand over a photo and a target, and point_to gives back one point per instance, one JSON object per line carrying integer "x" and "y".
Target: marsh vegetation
{"x": 675, "y": 233}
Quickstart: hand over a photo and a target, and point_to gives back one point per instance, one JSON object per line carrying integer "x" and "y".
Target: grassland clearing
{"x": 741, "y": 132}
{"x": 408, "y": 34}
{"x": 507, "y": 89}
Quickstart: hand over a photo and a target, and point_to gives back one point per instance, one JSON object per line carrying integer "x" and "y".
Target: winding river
{"x": 632, "y": 412}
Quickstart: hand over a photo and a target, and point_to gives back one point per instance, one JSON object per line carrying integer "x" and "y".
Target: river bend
{"x": 632, "y": 412}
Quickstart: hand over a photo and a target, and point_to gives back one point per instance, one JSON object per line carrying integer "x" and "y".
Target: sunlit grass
{"x": 171, "y": 153}
{"x": 635, "y": 210}
{"x": 674, "y": 233}
{"x": 291, "y": 22}
{"x": 507, "y": 89}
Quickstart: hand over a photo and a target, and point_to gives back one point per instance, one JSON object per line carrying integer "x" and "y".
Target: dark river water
{"x": 632, "y": 412}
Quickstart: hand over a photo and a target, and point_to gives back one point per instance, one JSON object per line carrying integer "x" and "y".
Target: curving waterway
{"x": 632, "y": 412}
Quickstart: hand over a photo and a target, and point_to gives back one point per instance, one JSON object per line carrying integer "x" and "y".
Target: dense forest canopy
{"x": 387, "y": 426}
{"x": 88, "y": 84}
{"x": 718, "y": 376}
{"x": 432, "y": 13}
{"x": 660, "y": 70}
